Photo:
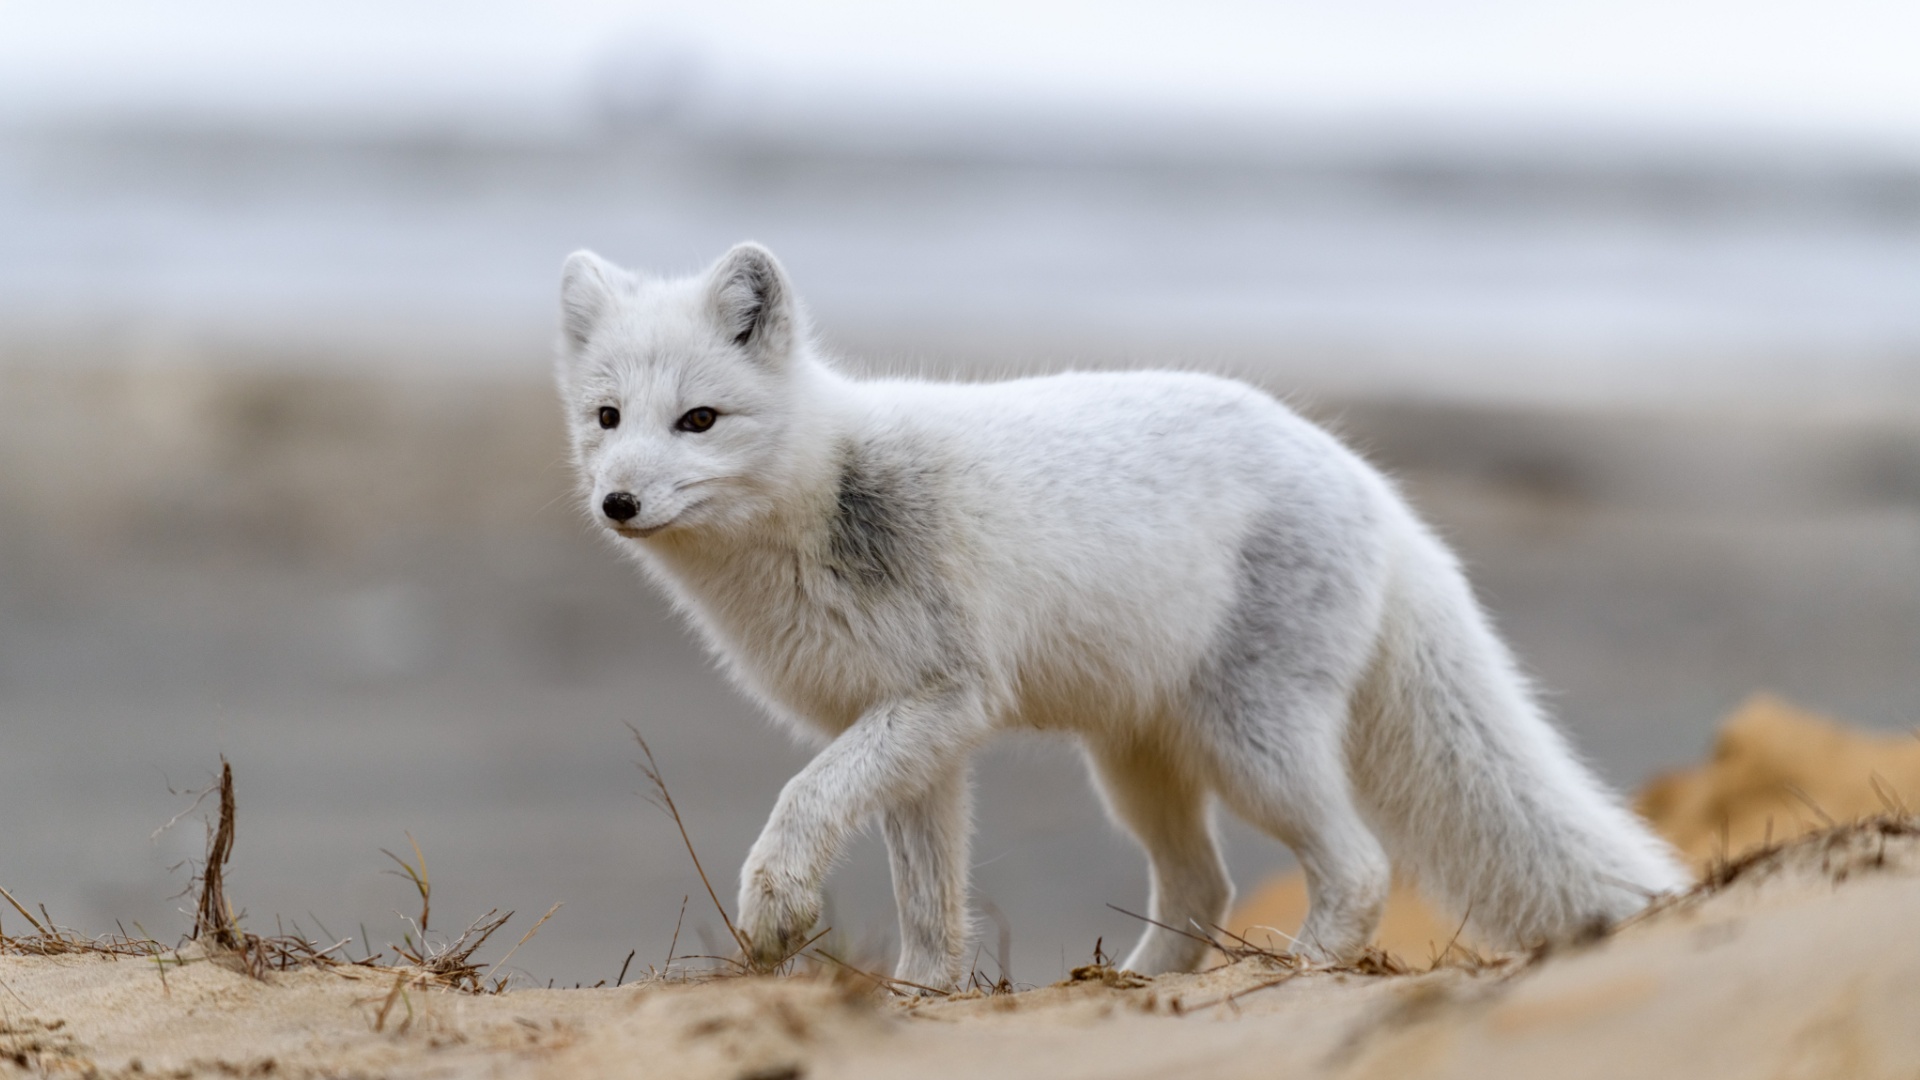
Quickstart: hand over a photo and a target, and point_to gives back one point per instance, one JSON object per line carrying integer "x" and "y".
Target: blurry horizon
{"x": 1624, "y": 203}
{"x": 1837, "y": 71}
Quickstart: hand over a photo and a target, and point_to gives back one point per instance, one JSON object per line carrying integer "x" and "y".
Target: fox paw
{"x": 776, "y": 912}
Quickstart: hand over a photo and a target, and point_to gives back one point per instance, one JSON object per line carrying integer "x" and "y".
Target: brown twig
{"x": 675, "y": 943}
{"x": 883, "y": 981}
{"x": 1797, "y": 792}
{"x": 213, "y": 918}
{"x": 1452, "y": 941}
{"x": 524, "y": 938}
{"x": 663, "y": 797}
{"x": 1888, "y": 796}
{"x": 1205, "y": 940}
{"x": 29, "y": 915}
{"x": 1248, "y": 948}
{"x": 802, "y": 947}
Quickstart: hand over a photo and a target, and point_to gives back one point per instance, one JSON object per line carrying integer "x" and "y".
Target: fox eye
{"x": 609, "y": 416}
{"x": 697, "y": 420}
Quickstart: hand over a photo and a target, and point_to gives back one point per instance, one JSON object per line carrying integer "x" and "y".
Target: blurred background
{"x": 1627, "y": 293}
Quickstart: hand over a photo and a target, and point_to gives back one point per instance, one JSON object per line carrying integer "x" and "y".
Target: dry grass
{"x": 218, "y": 934}
{"x": 420, "y": 960}
{"x": 1842, "y": 848}
{"x": 51, "y": 939}
{"x": 825, "y": 963}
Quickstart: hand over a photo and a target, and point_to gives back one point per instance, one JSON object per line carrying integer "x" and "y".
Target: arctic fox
{"x": 1215, "y": 596}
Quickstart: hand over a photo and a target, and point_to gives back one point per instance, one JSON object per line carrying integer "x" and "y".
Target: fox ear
{"x": 752, "y": 302}
{"x": 586, "y": 292}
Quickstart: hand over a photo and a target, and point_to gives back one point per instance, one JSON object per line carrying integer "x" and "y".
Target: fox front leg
{"x": 890, "y": 759}
{"x": 927, "y": 842}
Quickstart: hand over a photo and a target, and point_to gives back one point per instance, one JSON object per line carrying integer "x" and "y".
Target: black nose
{"x": 620, "y": 506}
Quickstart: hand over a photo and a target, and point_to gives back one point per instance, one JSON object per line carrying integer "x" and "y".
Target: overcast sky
{"x": 1845, "y": 70}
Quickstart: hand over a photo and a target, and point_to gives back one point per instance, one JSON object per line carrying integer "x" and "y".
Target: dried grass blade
{"x": 29, "y": 915}
{"x": 1155, "y": 922}
{"x": 524, "y": 938}
{"x": 652, "y": 772}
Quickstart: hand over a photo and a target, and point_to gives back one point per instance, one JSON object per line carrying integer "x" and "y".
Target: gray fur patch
{"x": 879, "y": 533}
{"x": 1296, "y": 634}
{"x": 865, "y": 538}
{"x": 883, "y": 552}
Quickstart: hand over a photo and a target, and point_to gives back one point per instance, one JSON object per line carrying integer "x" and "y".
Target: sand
{"x": 1804, "y": 964}
{"x": 1796, "y": 958}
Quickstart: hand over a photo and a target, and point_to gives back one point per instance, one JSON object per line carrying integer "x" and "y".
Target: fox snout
{"x": 620, "y": 506}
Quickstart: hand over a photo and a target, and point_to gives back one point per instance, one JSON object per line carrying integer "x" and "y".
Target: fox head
{"x": 679, "y": 392}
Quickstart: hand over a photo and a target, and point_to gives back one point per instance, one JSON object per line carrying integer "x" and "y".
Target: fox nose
{"x": 620, "y": 506}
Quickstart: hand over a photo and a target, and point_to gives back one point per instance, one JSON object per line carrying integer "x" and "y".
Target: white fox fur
{"x": 1214, "y": 595}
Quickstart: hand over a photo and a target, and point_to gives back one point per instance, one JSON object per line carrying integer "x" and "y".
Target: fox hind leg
{"x": 1285, "y": 771}
{"x": 1168, "y": 813}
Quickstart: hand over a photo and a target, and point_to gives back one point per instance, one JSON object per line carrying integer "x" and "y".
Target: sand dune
{"x": 1776, "y": 772}
{"x": 1795, "y": 959}
{"x": 1801, "y": 963}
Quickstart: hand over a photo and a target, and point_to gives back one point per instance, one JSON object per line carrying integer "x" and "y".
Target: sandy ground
{"x": 1802, "y": 964}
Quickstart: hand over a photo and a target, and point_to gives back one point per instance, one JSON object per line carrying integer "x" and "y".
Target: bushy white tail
{"x": 1472, "y": 789}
